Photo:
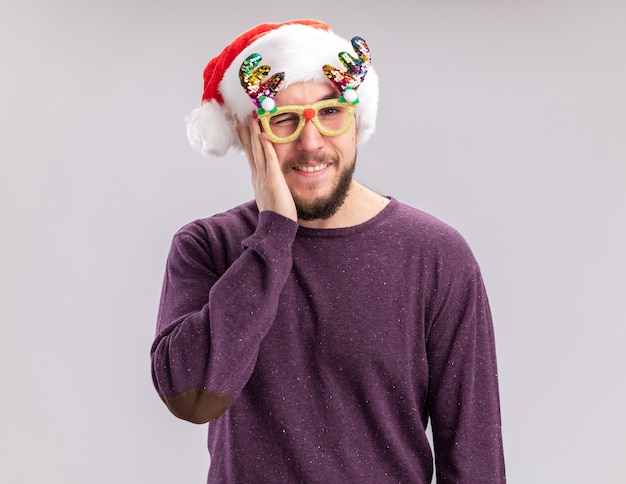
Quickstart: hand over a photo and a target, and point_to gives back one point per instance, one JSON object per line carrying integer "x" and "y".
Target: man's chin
{"x": 320, "y": 212}
{"x": 322, "y": 208}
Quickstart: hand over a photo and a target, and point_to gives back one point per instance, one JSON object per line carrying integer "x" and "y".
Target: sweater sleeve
{"x": 463, "y": 390}
{"x": 210, "y": 326}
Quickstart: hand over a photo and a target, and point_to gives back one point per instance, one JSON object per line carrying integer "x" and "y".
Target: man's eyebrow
{"x": 330, "y": 95}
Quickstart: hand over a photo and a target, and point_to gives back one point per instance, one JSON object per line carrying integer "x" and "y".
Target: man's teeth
{"x": 311, "y": 169}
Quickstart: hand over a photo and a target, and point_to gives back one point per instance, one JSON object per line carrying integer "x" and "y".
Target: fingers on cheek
{"x": 264, "y": 144}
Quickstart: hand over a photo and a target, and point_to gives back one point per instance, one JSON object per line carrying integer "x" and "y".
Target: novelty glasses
{"x": 331, "y": 117}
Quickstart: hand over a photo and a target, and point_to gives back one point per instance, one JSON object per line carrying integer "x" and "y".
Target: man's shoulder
{"x": 420, "y": 222}
{"x": 419, "y": 227}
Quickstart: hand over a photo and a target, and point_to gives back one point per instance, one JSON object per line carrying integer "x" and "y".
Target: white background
{"x": 505, "y": 119}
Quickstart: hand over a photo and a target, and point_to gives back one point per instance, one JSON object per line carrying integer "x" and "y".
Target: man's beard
{"x": 323, "y": 208}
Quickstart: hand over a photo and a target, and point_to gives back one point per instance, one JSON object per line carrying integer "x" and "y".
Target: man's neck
{"x": 361, "y": 205}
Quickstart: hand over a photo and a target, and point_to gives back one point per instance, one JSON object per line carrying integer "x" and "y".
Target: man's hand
{"x": 270, "y": 188}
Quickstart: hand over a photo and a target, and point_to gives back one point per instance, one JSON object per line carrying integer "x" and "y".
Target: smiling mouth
{"x": 311, "y": 168}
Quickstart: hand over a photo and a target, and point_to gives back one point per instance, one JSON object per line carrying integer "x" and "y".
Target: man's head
{"x": 299, "y": 49}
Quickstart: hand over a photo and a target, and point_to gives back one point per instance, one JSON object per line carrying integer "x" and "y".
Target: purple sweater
{"x": 320, "y": 355}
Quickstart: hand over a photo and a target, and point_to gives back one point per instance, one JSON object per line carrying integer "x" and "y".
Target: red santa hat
{"x": 299, "y": 48}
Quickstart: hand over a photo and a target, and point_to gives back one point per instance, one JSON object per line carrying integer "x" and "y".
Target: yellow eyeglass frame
{"x": 298, "y": 109}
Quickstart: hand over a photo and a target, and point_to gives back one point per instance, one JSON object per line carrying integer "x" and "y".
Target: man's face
{"x": 318, "y": 169}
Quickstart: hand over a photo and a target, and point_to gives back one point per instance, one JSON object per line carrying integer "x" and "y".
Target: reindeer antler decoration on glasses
{"x": 349, "y": 81}
{"x": 261, "y": 93}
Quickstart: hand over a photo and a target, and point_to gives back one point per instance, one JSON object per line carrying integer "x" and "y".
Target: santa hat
{"x": 299, "y": 48}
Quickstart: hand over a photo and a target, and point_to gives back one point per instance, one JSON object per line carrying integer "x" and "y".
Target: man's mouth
{"x": 311, "y": 168}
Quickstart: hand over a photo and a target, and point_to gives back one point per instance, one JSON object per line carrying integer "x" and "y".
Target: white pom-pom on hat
{"x": 211, "y": 130}
{"x": 299, "y": 48}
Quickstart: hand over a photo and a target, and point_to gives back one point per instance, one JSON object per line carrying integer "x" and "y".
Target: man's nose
{"x": 310, "y": 138}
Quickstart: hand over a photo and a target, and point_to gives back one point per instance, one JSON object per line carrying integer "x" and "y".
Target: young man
{"x": 319, "y": 327}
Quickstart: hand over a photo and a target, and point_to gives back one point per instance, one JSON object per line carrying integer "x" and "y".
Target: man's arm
{"x": 209, "y": 329}
{"x": 464, "y": 401}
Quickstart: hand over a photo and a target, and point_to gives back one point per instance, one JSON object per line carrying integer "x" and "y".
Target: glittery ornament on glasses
{"x": 252, "y": 80}
{"x": 347, "y": 82}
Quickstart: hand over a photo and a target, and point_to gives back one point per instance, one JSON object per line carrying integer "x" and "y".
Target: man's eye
{"x": 282, "y": 119}
{"x": 327, "y": 111}
{"x": 331, "y": 111}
